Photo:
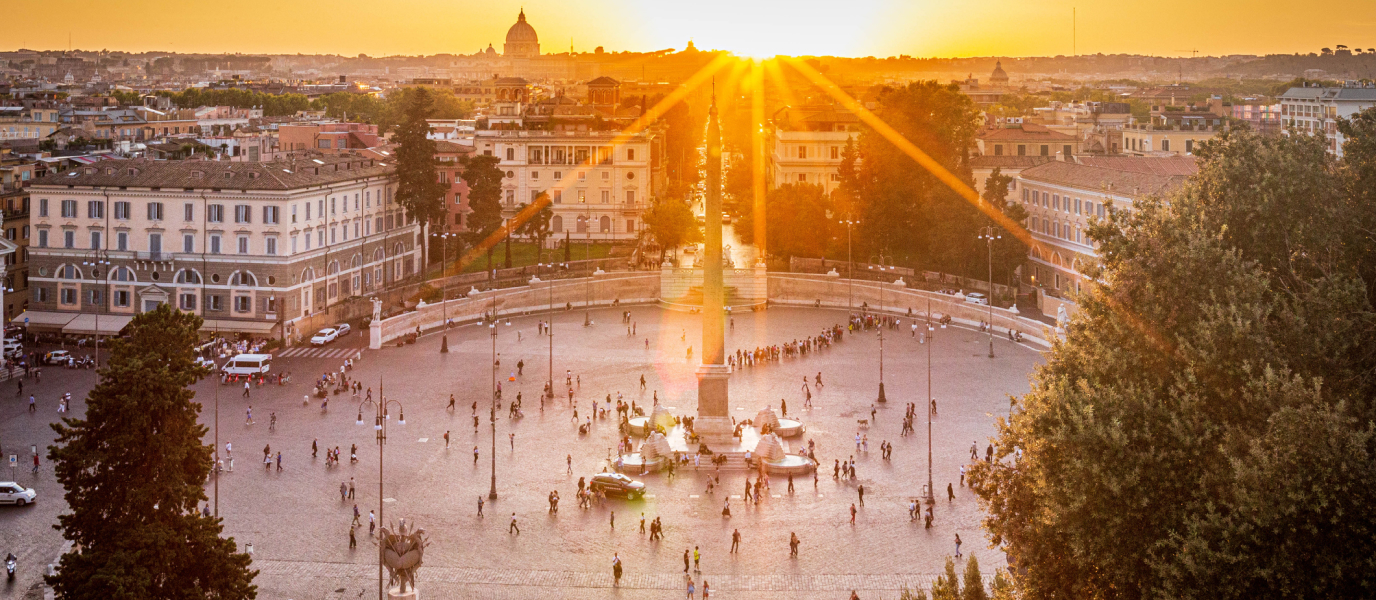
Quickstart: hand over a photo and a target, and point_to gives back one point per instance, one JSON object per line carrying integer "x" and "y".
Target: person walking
{"x": 480, "y": 506}
{"x": 356, "y": 522}
{"x": 957, "y": 545}
{"x": 861, "y": 490}
{"x": 790, "y": 484}
{"x": 372, "y": 523}
{"x": 793, "y": 543}
{"x": 513, "y": 526}
{"x": 32, "y": 407}
{"x": 35, "y": 462}
{"x": 246, "y": 388}
{"x": 569, "y": 461}
{"x": 314, "y": 448}
{"x": 353, "y": 540}
{"x": 962, "y": 475}
{"x": 735, "y": 541}
{"x": 248, "y": 418}
{"x": 697, "y": 558}
{"x": 512, "y": 438}
{"x": 974, "y": 450}
{"x": 279, "y": 461}
{"x": 642, "y": 523}
{"x": 446, "y": 439}
{"x": 475, "y": 455}
{"x": 852, "y": 515}
{"x": 613, "y": 520}
{"x": 950, "y": 492}
{"x": 351, "y": 488}
{"x": 616, "y": 569}
{"x": 451, "y": 403}
{"x": 685, "y": 560}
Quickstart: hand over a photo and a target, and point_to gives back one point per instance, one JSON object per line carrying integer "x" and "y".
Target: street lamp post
{"x": 989, "y": 234}
{"x": 587, "y": 258}
{"x": 492, "y": 493}
{"x": 931, "y": 335}
{"x": 882, "y": 326}
{"x": 380, "y": 426}
{"x": 850, "y": 272}
{"x": 444, "y": 307}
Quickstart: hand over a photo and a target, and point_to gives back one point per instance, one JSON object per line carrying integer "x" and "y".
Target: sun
{"x": 762, "y": 30}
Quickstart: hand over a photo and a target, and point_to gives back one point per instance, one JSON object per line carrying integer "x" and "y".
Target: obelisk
{"x": 712, "y": 421}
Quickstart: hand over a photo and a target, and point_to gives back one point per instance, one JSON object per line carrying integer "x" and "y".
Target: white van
{"x": 248, "y": 364}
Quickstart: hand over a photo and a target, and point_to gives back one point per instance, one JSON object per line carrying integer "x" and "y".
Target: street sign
{"x": 14, "y": 460}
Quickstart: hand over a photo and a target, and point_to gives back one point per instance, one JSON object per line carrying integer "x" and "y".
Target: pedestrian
{"x": 513, "y": 526}
{"x": 974, "y": 450}
{"x": 950, "y": 493}
{"x": 279, "y": 461}
{"x": 793, "y": 543}
{"x": 957, "y": 545}
{"x": 351, "y": 489}
{"x": 613, "y": 520}
{"x": 705, "y": 591}
{"x": 790, "y": 484}
{"x": 480, "y": 506}
{"x": 962, "y": 475}
{"x": 248, "y": 420}
{"x": 512, "y": 437}
{"x": 642, "y": 523}
{"x": 246, "y": 388}
{"x": 475, "y": 455}
{"x": 861, "y": 490}
{"x": 446, "y": 439}
{"x": 314, "y": 448}
{"x": 989, "y": 453}
{"x": 356, "y": 522}
{"x": 272, "y": 421}
{"x": 353, "y": 541}
{"x": 343, "y": 491}
{"x": 569, "y": 460}
{"x": 616, "y": 569}
{"x": 451, "y": 403}
{"x": 690, "y": 586}
{"x": 852, "y": 514}
{"x": 697, "y": 558}
{"x": 685, "y": 560}
{"x": 372, "y": 523}
{"x": 35, "y": 462}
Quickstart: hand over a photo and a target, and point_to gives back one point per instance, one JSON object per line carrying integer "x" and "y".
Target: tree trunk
{"x": 508, "y": 249}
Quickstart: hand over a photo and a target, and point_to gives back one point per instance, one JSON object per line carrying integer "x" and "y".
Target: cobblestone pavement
{"x": 299, "y": 526}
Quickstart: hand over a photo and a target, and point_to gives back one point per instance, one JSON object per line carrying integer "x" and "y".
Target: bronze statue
{"x": 401, "y": 554}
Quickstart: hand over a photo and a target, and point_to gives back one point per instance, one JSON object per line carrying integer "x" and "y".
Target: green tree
{"x": 671, "y": 223}
{"x": 418, "y": 188}
{"x": 133, "y": 472}
{"x": 1002, "y": 588}
{"x": 536, "y": 223}
{"x": 484, "y": 181}
{"x": 947, "y": 585}
{"x": 973, "y": 588}
{"x": 796, "y": 222}
{"x": 1206, "y": 428}
{"x": 911, "y": 594}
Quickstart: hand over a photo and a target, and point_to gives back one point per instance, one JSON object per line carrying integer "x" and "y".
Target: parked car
{"x": 248, "y": 364}
{"x": 343, "y": 329}
{"x": 616, "y": 484}
{"x": 977, "y": 298}
{"x": 13, "y": 347}
{"x": 56, "y": 357}
{"x": 324, "y": 336}
{"x": 18, "y": 495}
{"x": 202, "y": 361}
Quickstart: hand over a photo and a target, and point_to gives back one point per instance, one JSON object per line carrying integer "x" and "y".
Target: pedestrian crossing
{"x": 312, "y": 352}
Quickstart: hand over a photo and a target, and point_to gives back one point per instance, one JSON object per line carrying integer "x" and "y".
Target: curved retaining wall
{"x": 787, "y": 289}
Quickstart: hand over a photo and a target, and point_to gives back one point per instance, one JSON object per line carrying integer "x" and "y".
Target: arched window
{"x": 68, "y": 272}
{"x": 399, "y": 249}
{"x": 356, "y": 262}
{"x": 606, "y": 224}
{"x": 185, "y": 276}
{"x": 243, "y": 278}
{"x": 582, "y": 224}
{"x": 379, "y": 255}
{"x": 333, "y": 268}
{"x": 308, "y": 274}
{"x": 557, "y": 224}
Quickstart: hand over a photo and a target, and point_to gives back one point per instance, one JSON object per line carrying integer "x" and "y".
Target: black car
{"x": 616, "y": 484}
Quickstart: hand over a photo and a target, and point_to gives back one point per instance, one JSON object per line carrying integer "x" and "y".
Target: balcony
{"x": 154, "y": 256}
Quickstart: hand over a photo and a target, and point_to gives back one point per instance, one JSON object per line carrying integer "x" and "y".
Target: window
{"x": 320, "y": 208}
{"x": 95, "y": 209}
{"x": 630, "y": 196}
{"x": 188, "y": 212}
{"x": 802, "y": 178}
{"x": 243, "y": 213}
{"x": 1189, "y": 146}
{"x": 68, "y": 296}
{"x": 606, "y": 196}
{"x": 998, "y": 149}
{"x": 320, "y": 235}
{"x": 188, "y": 302}
{"x": 1165, "y": 145}
{"x": 558, "y": 196}
{"x": 95, "y": 240}
{"x": 334, "y": 206}
{"x": 1067, "y": 151}
{"x": 1046, "y": 150}
{"x": 1022, "y": 150}
{"x": 582, "y": 196}
{"x": 802, "y": 151}
{"x": 511, "y": 154}
{"x": 630, "y": 154}
{"x": 243, "y": 244}
{"x": 558, "y": 175}
{"x": 213, "y": 303}
{"x": 293, "y": 213}
{"x": 270, "y": 246}
{"x": 270, "y": 215}
{"x": 557, "y": 224}
{"x": 215, "y": 244}
{"x": 324, "y": 144}
{"x": 510, "y": 197}
{"x": 69, "y": 209}
{"x": 630, "y": 225}
{"x": 121, "y": 298}
{"x": 216, "y": 213}
{"x": 308, "y": 211}
{"x": 42, "y": 207}
{"x": 69, "y": 239}
{"x": 40, "y": 294}
{"x": 835, "y": 152}
{"x": 93, "y": 297}
{"x": 836, "y": 177}
{"x": 42, "y": 238}
{"x": 154, "y": 211}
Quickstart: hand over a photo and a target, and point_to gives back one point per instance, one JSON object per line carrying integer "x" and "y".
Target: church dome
{"x": 521, "y": 31}
{"x": 490, "y": 50}
{"x": 999, "y": 75}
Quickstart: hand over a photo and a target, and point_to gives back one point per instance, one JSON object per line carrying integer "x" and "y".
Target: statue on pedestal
{"x": 402, "y": 550}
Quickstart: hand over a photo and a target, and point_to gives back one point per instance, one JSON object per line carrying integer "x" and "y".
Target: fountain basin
{"x": 789, "y": 428}
{"x": 790, "y": 464}
{"x": 637, "y": 463}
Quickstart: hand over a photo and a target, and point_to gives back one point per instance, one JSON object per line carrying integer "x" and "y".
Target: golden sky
{"x": 755, "y": 27}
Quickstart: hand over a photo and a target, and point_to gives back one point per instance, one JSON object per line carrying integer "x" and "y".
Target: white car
{"x": 18, "y": 495}
{"x": 324, "y": 336}
{"x": 342, "y": 330}
{"x": 202, "y": 361}
{"x": 977, "y": 298}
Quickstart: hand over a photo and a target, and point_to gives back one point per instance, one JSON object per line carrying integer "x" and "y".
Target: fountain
{"x": 770, "y": 451}
{"x": 654, "y": 455}
{"x": 769, "y": 422}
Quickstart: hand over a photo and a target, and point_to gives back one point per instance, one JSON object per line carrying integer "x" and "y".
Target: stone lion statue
{"x": 402, "y": 549}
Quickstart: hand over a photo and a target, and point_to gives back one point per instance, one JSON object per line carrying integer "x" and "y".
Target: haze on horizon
{"x": 748, "y": 27}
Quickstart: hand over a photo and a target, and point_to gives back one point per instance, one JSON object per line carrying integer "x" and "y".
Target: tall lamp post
{"x": 100, "y": 260}
{"x": 380, "y": 426}
{"x": 444, "y": 307}
{"x": 850, "y": 267}
{"x": 931, "y": 331}
{"x": 989, "y": 234}
{"x": 882, "y": 277}
{"x": 492, "y": 416}
{"x": 587, "y": 258}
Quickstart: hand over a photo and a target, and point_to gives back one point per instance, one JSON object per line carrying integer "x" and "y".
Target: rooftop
{"x": 1122, "y": 175}
{"x": 1024, "y": 132}
{"x": 301, "y": 171}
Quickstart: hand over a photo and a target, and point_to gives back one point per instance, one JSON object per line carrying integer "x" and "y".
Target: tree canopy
{"x": 1207, "y": 429}
{"x": 671, "y": 223}
{"x": 133, "y": 471}
{"x": 796, "y": 221}
{"x": 484, "y": 181}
